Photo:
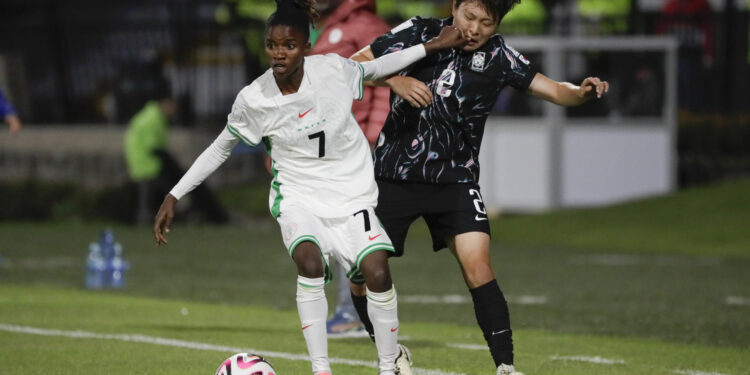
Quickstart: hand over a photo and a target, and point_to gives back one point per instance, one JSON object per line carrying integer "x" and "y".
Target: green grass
{"x": 276, "y": 335}
{"x": 642, "y": 282}
{"x": 710, "y": 221}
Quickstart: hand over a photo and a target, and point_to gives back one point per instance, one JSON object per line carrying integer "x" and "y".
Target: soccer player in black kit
{"x": 427, "y": 157}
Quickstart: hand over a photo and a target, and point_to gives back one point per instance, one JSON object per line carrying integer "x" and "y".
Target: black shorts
{"x": 448, "y": 209}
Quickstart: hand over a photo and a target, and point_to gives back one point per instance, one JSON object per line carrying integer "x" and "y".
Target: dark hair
{"x": 496, "y": 8}
{"x": 299, "y": 14}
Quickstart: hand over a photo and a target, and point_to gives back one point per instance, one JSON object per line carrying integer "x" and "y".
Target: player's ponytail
{"x": 300, "y": 14}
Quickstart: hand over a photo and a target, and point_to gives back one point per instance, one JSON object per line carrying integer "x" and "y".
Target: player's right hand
{"x": 449, "y": 37}
{"x": 163, "y": 219}
{"x": 411, "y": 89}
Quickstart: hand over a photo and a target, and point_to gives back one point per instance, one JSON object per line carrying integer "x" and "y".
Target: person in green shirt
{"x": 152, "y": 168}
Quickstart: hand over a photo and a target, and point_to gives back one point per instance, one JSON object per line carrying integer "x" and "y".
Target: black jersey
{"x": 440, "y": 143}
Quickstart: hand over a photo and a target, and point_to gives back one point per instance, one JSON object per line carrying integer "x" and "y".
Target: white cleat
{"x": 507, "y": 370}
{"x": 403, "y": 361}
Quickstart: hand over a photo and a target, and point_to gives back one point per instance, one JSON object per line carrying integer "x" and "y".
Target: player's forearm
{"x": 569, "y": 95}
{"x": 391, "y": 63}
{"x": 565, "y": 94}
{"x": 214, "y": 156}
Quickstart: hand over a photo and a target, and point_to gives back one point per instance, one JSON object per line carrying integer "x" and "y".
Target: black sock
{"x": 492, "y": 315}
{"x": 360, "y": 304}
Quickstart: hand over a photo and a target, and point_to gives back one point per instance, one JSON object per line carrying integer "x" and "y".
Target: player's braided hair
{"x": 299, "y": 14}
{"x": 496, "y": 8}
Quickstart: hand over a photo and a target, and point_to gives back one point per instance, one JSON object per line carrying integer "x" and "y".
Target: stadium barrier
{"x": 556, "y": 159}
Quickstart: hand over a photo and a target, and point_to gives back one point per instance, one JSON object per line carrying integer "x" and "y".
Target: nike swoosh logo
{"x": 372, "y": 238}
{"x": 301, "y": 115}
{"x": 478, "y": 218}
{"x": 499, "y": 332}
{"x": 394, "y": 329}
{"x": 306, "y": 327}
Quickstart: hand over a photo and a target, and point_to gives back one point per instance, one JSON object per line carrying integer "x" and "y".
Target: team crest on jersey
{"x": 477, "y": 62}
{"x": 290, "y": 231}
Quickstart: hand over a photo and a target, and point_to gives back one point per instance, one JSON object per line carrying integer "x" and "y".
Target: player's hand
{"x": 411, "y": 89}
{"x": 14, "y": 124}
{"x": 593, "y": 86}
{"x": 163, "y": 219}
{"x": 449, "y": 37}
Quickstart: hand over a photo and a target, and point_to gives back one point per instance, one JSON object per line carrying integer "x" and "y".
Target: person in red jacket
{"x": 346, "y": 26}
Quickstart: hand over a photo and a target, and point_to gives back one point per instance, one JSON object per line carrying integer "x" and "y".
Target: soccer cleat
{"x": 504, "y": 369}
{"x": 344, "y": 325}
{"x": 403, "y": 361}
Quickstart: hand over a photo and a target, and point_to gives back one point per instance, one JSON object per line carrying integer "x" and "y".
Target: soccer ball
{"x": 245, "y": 364}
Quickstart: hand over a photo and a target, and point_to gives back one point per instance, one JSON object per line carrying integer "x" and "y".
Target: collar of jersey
{"x": 301, "y": 93}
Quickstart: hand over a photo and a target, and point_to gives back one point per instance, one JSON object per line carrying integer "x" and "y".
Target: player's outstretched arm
{"x": 163, "y": 219}
{"x": 565, "y": 93}
{"x": 383, "y": 66}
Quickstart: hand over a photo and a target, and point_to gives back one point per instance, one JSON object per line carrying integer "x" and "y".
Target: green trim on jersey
{"x": 354, "y": 274}
{"x": 275, "y": 184}
{"x": 238, "y": 135}
{"x": 361, "y": 82}
{"x": 374, "y": 247}
{"x": 327, "y": 274}
{"x": 300, "y": 239}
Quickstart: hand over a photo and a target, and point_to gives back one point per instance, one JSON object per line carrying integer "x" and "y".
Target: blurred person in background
{"x": 9, "y": 115}
{"x": 427, "y": 157}
{"x": 691, "y": 22}
{"x": 346, "y": 27}
{"x": 151, "y": 167}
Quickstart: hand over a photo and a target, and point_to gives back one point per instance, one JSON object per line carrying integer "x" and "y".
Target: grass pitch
{"x": 652, "y": 287}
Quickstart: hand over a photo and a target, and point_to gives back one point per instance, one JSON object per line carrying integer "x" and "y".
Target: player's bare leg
{"x": 312, "y": 304}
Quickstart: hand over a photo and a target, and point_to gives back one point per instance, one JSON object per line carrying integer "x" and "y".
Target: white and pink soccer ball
{"x": 245, "y": 364}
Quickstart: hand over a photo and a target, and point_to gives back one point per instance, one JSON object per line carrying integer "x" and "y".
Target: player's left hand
{"x": 411, "y": 89}
{"x": 163, "y": 219}
{"x": 593, "y": 86}
{"x": 449, "y": 37}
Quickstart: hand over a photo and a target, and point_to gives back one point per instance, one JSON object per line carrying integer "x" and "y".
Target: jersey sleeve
{"x": 208, "y": 161}
{"x": 522, "y": 71}
{"x": 242, "y": 123}
{"x": 402, "y": 36}
{"x": 354, "y": 75}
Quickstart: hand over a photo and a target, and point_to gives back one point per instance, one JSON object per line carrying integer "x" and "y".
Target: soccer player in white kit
{"x": 323, "y": 193}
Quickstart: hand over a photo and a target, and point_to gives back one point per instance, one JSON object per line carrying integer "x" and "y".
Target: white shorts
{"x": 347, "y": 239}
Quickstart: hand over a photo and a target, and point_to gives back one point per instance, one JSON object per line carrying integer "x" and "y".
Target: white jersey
{"x": 321, "y": 159}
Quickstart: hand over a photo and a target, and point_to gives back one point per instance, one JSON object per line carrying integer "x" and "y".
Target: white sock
{"x": 313, "y": 308}
{"x": 383, "y": 311}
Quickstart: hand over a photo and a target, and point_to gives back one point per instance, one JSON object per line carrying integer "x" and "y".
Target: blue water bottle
{"x": 95, "y": 267}
{"x": 117, "y": 268}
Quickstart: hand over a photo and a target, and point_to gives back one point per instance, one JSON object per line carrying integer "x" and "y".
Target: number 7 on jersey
{"x": 321, "y": 142}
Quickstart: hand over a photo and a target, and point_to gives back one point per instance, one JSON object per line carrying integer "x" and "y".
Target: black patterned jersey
{"x": 440, "y": 143}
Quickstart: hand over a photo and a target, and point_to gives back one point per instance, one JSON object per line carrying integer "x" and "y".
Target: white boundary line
{"x": 453, "y": 299}
{"x": 597, "y": 359}
{"x": 195, "y": 345}
{"x": 696, "y": 372}
{"x": 737, "y": 301}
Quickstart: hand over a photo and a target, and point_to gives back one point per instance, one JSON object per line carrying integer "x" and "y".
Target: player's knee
{"x": 479, "y": 274}
{"x": 378, "y": 279}
{"x": 308, "y": 259}
{"x": 358, "y": 289}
